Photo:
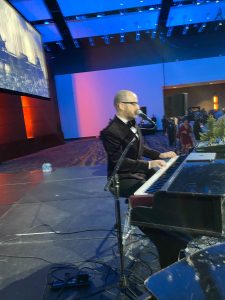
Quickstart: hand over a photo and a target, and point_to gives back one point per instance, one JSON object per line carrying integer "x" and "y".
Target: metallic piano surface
{"x": 192, "y": 200}
{"x": 199, "y": 277}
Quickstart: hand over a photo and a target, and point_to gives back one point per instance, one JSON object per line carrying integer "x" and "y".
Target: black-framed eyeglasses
{"x": 133, "y": 103}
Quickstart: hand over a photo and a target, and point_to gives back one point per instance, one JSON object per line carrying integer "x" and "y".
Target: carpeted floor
{"x": 84, "y": 152}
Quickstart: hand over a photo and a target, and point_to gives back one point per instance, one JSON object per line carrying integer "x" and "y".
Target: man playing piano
{"x": 134, "y": 170}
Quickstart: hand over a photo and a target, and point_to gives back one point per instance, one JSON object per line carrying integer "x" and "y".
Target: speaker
{"x": 176, "y": 105}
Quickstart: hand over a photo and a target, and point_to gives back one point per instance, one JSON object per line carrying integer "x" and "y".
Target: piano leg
{"x": 167, "y": 243}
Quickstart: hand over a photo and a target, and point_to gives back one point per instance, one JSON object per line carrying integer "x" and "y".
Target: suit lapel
{"x": 128, "y": 135}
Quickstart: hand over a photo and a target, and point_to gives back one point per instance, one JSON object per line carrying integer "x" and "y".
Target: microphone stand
{"x": 114, "y": 182}
{"x": 151, "y": 122}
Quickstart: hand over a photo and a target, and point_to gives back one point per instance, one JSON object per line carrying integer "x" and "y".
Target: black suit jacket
{"x": 115, "y": 138}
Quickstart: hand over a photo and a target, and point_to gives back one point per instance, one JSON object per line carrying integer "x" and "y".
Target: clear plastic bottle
{"x": 46, "y": 168}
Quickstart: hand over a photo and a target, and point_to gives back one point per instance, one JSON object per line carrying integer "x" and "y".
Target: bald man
{"x": 134, "y": 170}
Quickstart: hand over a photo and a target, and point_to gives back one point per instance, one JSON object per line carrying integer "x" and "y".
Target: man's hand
{"x": 156, "y": 164}
{"x": 168, "y": 154}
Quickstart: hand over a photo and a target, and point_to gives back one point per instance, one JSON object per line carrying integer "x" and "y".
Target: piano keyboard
{"x": 153, "y": 184}
{"x": 194, "y": 205}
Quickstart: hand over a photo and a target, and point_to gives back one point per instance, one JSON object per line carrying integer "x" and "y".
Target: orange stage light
{"x": 27, "y": 114}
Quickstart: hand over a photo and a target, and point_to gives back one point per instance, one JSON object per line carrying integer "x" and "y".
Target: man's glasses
{"x": 133, "y": 103}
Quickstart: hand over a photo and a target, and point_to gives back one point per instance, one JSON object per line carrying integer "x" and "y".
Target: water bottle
{"x": 46, "y": 168}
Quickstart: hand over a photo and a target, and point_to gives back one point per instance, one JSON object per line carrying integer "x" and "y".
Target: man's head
{"x": 126, "y": 104}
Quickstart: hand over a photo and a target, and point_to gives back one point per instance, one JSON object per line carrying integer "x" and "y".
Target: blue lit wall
{"x": 66, "y": 103}
{"x": 87, "y": 105}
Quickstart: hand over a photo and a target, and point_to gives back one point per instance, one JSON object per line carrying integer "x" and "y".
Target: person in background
{"x": 223, "y": 116}
{"x": 178, "y": 143}
{"x": 197, "y": 129}
{"x": 218, "y": 113}
{"x": 204, "y": 115}
{"x": 185, "y": 133}
{"x": 164, "y": 124}
{"x": 171, "y": 132}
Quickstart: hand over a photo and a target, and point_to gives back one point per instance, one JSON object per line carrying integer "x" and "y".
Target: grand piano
{"x": 188, "y": 196}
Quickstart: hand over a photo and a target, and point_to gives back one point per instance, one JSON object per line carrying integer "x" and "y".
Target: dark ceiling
{"x": 70, "y": 24}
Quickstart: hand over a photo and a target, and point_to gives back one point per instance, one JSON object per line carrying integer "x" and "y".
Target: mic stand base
{"x": 113, "y": 182}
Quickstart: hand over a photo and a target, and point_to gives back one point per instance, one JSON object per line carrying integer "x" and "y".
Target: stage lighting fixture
{"x": 80, "y": 17}
{"x": 122, "y": 38}
{"x": 153, "y": 35}
{"x": 170, "y": 31}
{"x": 218, "y": 25}
{"x": 185, "y": 29}
{"x": 76, "y": 43}
{"x": 138, "y": 36}
{"x": 202, "y": 27}
{"x": 162, "y": 36}
{"x": 106, "y": 39}
{"x": 91, "y": 42}
{"x": 100, "y": 15}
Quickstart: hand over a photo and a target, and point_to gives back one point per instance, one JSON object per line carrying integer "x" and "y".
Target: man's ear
{"x": 121, "y": 106}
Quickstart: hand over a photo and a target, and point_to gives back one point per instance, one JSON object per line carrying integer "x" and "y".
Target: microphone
{"x": 145, "y": 117}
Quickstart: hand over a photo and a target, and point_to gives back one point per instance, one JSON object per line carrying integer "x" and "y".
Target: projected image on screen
{"x": 22, "y": 62}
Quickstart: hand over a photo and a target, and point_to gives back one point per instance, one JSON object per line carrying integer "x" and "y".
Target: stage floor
{"x": 57, "y": 225}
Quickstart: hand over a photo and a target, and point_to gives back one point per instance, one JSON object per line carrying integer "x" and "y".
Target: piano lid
{"x": 203, "y": 177}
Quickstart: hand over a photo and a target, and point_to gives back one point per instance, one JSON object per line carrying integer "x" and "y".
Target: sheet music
{"x": 201, "y": 156}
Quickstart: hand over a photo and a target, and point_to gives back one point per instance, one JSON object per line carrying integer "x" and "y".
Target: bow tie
{"x": 131, "y": 123}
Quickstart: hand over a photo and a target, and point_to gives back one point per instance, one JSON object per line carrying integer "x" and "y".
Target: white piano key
{"x": 142, "y": 190}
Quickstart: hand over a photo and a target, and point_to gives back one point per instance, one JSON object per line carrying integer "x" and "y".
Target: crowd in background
{"x": 184, "y": 132}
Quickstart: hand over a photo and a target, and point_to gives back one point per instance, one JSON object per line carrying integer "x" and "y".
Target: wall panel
{"x": 11, "y": 119}
{"x": 27, "y": 125}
